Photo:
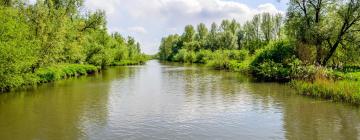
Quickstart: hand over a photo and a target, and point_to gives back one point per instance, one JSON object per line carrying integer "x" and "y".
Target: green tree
{"x": 189, "y": 33}
{"x": 202, "y": 32}
{"x": 324, "y": 24}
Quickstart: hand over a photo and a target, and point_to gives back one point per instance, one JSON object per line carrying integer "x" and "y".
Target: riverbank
{"x": 334, "y": 86}
{"x": 343, "y": 88}
{"x": 75, "y": 44}
{"x": 338, "y": 91}
{"x": 58, "y": 72}
{"x": 186, "y": 101}
{"x": 278, "y": 62}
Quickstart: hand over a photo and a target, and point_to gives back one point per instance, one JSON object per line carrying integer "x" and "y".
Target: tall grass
{"x": 344, "y": 90}
{"x": 355, "y": 76}
{"x": 127, "y": 63}
{"x": 48, "y": 74}
{"x": 63, "y": 71}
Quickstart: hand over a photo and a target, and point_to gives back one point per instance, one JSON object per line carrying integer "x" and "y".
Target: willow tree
{"x": 324, "y": 24}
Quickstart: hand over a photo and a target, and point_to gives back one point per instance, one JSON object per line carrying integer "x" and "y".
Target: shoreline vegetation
{"x": 52, "y": 40}
{"x": 315, "y": 58}
{"x": 314, "y": 47}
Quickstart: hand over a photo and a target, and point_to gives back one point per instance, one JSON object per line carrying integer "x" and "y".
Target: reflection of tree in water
{"x": 307, "y": 118}
{"x": 320, "y": 120}
{"x": 202, "y": 85}
{"x": 303, "y": 118}
{"x": 68, "y": 109}
{"x": 78, "y": 108}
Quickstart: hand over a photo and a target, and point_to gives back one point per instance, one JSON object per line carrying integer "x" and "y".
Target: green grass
{"x": 45, "y": 75}
{"x": 56, "y": 72}
{"x": 353, "y": 76}
{"x": 343, "y": 91}
{"x": 63, "y": 71}
{"x": 127, "y": 62}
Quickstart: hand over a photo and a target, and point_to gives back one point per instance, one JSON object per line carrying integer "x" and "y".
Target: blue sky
{"x": 150, "y": 20}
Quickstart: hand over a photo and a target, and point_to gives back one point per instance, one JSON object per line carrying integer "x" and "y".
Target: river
{"x": 163, "y": 101}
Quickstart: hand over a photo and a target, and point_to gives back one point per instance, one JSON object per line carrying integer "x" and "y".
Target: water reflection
{"x": 69, "y": 109}
{"x": 171, "y": 101}
{"x": 321, "y": 120}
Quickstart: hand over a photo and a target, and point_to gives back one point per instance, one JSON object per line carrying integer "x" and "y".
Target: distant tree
{"x": 189, "y": 34}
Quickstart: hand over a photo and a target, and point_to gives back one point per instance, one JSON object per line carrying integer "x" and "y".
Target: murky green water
{"x": 167, "y": 101}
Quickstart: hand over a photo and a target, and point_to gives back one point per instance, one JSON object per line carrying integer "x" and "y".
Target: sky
{"x": 150, "y": 20}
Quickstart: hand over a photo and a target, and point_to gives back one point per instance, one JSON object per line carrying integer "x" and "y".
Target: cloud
{"x": 138, "y": 29}
{"x": 109, "y": 6}
{"x": 268, "y": 7}
{"x": 150, "y": 20}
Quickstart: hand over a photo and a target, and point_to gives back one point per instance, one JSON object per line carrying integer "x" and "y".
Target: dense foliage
{"x": 316, "y": 45}
{"x": 315, "y": 33}
{"x": 255, "y": 34}
{"x": 253, "y": 47}
{"x": 325, "y": 31}
{"x": 36, "y": 36}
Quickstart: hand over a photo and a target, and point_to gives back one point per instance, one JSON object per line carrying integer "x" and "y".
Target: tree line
{"x": 229, "y": 35}
{"x": 52, "y": 32}
{"x": 322, "y": 33}
{"x": 315, "y": 46}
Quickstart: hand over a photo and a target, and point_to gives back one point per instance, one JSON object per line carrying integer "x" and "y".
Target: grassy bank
{"x": 341, "y": 91}
{"x": 278, "y": 62}
{"x": 141, "y": 60}
{"x": 338, "y": 86}
{"x": 37, "y": 45}
{"x": 55, "y": 73}
{"x": 64, "y": 71}
{"x": 47, "y": 74}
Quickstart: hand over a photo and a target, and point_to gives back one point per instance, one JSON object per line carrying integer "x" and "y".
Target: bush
{"x": 239, "y": 55}
{"x": 219, "y": 61}
{"x": 190, "y": 57}
{"x": 127, "y": 63}
{"x": 180, "y": 56}
{"x": 269, "y": 70}
{"x": 236, "y": 60}
{"x": 63, "y": 71}
{"x": 274, "y": 62}
{"x": 185, "y": 56}
{"x": 278, "y": 52}
{"x": 243, "y": 66}
{"x": 203, "y": 56}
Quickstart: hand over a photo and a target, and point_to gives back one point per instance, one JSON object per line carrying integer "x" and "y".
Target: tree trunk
{"x": 318, "y": 55}
{"x": 331, "y": 52}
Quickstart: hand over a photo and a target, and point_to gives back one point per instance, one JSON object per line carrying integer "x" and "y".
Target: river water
{"x": 167, "y": 102}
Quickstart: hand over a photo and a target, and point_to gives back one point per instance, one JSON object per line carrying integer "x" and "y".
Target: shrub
{"x": 219, "y": 61}
{"x": 274, "y": 62}
{"x": 126, "y": 63}
{"x": 243, "y": 66}
{"x": 203, "y": 56}
{"x": 180, "y": 56}
{"x": 190, "y": 57}
{"x": 58, "y": 72}
{"x": 239, "y": 55}
{"x": 185, "y": 56}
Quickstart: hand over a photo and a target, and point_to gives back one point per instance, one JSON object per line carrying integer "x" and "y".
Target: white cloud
{"x": 109, "y": 6}
{"x": 268, "y": 7}
{"x": 138, "y": 29}
{"x": 149, "y": 20}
